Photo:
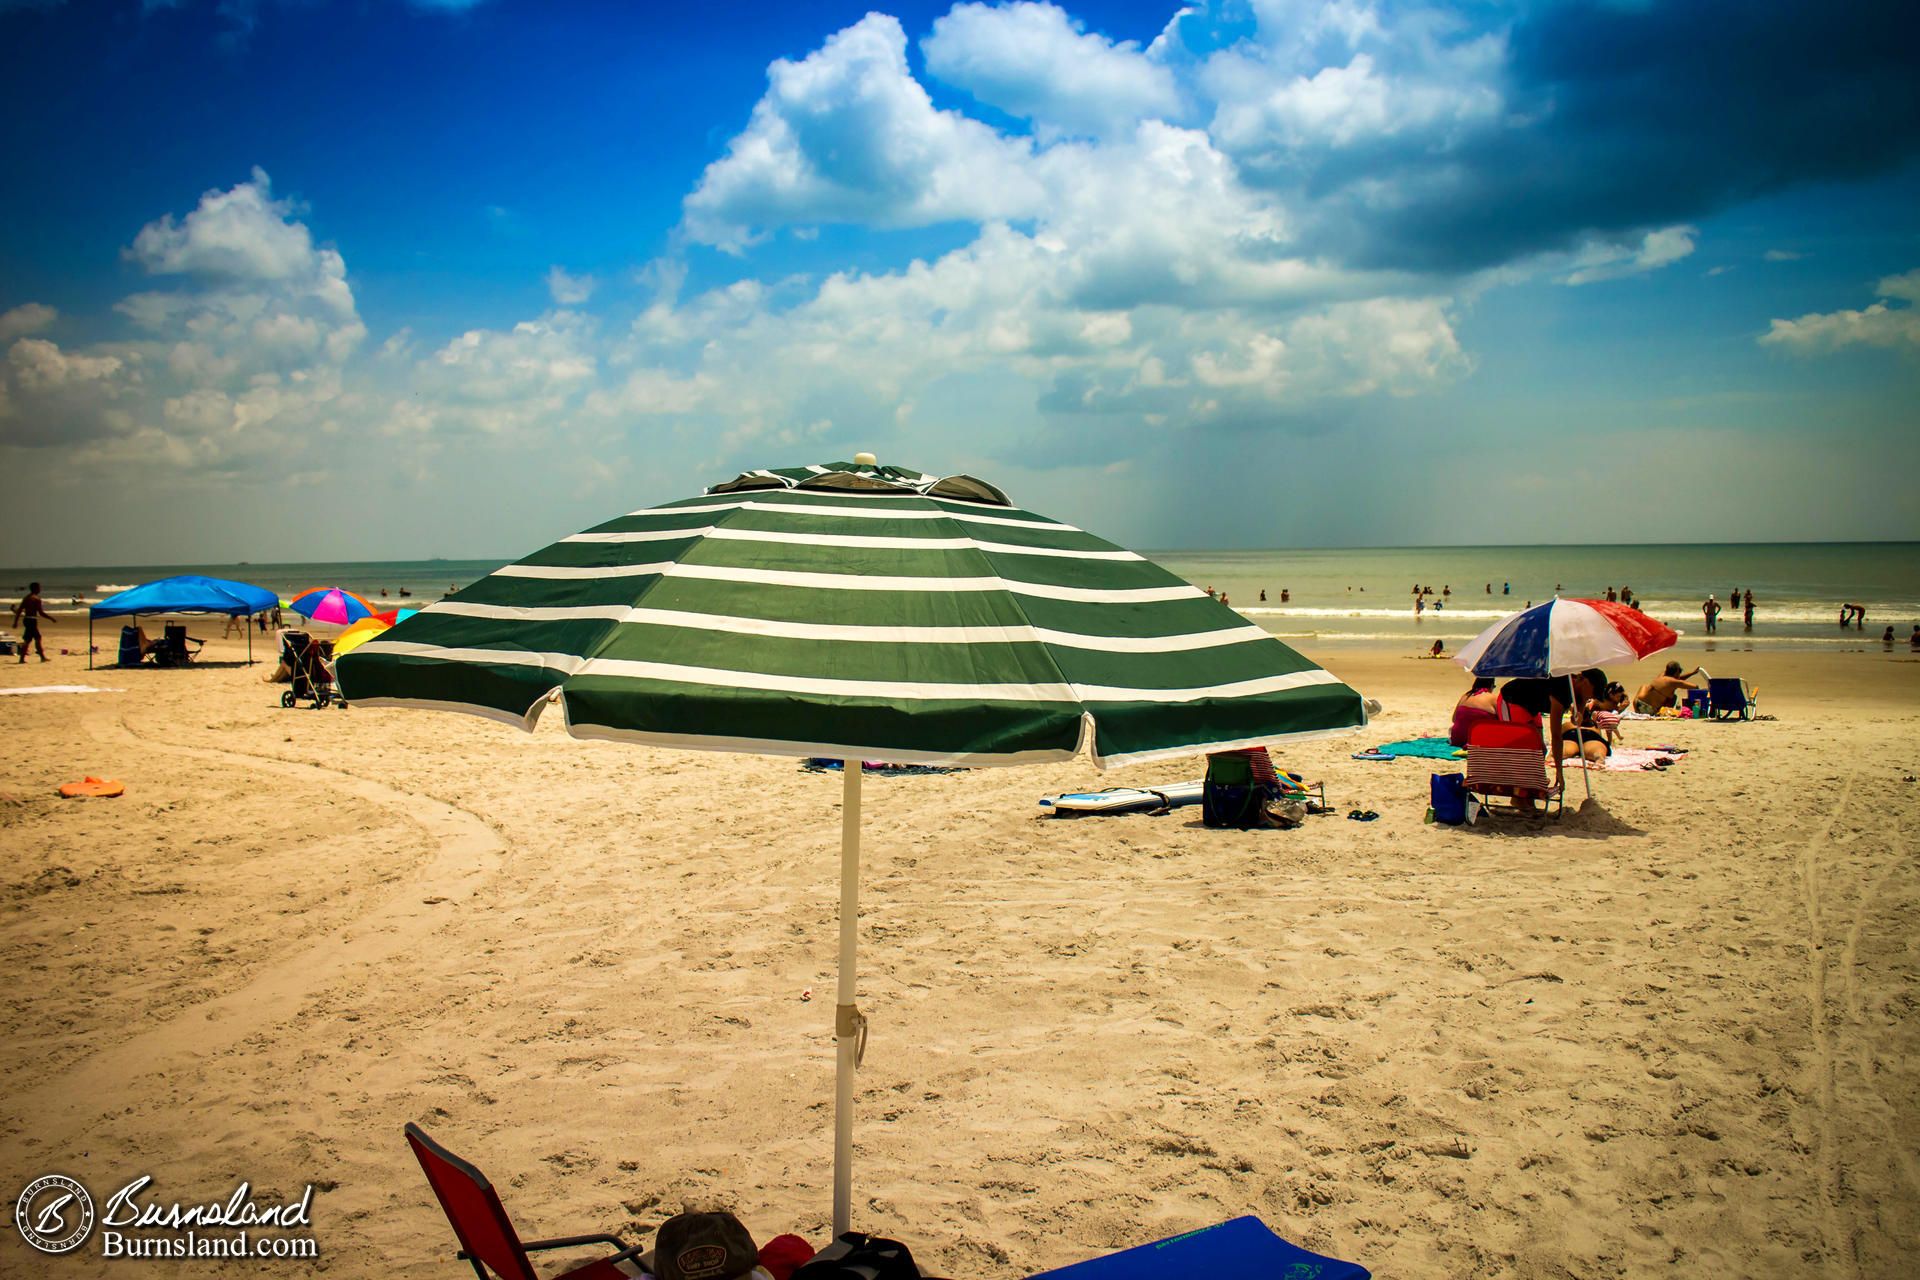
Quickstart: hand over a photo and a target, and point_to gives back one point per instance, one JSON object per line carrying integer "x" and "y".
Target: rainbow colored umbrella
{"x": 392, "y": 617}
{"x": 332, "y": 604}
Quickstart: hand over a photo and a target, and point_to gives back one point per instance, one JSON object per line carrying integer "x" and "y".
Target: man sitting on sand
{"x": 1664, "y": 691}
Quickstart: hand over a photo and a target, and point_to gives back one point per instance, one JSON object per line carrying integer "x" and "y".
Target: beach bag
{"x": 855, "y": 1256}
{"x": 1229, "y": 797}
{"x": 1449, "y": 798}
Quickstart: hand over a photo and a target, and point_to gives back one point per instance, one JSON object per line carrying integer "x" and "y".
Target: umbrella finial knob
{"x": 865, "y": 459}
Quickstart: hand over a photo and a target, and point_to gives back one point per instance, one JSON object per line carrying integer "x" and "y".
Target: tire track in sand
{"x": 1841, "y": 1245}
{"x": 467, "y": 854}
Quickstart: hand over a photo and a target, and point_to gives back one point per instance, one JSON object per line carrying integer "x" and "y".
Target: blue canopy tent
{"x": 189, "y": 593}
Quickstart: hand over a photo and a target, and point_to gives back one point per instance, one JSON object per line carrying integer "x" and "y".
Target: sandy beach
{"x": 1678, "y": 1028}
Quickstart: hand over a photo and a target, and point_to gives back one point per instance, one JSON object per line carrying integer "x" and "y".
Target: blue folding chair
{"x": 1239, "y": 1249}
{"x": 1731, "y": 698}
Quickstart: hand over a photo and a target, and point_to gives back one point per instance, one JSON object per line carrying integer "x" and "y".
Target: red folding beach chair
{"x": 485, "y": 1233}
{"x": 1506, "y": 758}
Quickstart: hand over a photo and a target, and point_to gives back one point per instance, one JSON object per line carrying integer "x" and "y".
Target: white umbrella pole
{"x": 1586, "y": 774}
{"x": 849, "y": 1026}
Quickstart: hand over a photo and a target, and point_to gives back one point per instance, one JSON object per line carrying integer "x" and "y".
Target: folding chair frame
{"x": 513, "y": 1248}
{"x": 1512, "y": 765}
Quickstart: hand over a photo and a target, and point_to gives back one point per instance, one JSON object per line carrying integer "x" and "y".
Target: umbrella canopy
{"x": 358, "y": 634}
{"x": 189, "y": 593}
{"x": 857, "y": 611}
{"x": 1562, "y": 637}
{"x": 846, "y": 611}
{"x": 332, "y": 604}
{"x": 392, "y": 616}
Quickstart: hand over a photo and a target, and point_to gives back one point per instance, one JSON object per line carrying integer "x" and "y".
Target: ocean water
{"x": 1339, "y": 596}
{"x": 1365, "y": 595}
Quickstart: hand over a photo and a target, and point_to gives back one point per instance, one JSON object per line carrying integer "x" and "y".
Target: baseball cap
{"x": 703, "y": 1246}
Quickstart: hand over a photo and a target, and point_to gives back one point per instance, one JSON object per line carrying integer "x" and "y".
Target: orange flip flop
{"x": 93, "y": 787}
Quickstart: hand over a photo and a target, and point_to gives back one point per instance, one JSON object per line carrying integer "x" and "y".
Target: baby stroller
{"x": 313, "y": 682}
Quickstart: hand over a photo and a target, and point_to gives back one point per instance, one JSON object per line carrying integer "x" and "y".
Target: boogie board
{"x": 1124, "y": 799}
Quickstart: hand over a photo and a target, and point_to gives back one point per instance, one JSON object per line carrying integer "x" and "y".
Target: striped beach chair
{"x": 1507, "y": 758}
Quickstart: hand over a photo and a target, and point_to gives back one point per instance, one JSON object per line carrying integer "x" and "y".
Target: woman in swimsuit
{"x": 1583, "y": 736}
{"x": 1476, "y": 704}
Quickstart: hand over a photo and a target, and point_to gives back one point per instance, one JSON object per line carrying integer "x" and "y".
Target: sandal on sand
{"x": 1363, "y": 815}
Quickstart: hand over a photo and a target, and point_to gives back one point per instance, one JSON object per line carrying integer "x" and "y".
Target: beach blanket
{"x": 1426, "y": 748}
{"x": 1631, "y": 760}
{"x": 62, "y": 688}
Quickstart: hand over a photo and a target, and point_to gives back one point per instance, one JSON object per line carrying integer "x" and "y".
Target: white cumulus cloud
{"x": 569, "y": 290}
{"x": 1879, "y": 325}
{"x": 848, "y": 135}
{"x": 1036, "y": 62}
{"x": 27, "y": 318}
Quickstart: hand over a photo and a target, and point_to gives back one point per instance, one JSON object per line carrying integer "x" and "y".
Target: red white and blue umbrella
{"x": 1563, "y": 637}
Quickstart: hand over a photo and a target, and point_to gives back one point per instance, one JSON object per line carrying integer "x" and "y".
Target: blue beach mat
{"x": 1239, "y": 1249}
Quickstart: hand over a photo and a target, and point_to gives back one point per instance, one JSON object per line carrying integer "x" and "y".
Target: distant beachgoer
{"x": 1710, "y": 610}
{"x": 1913, "y": 641}
{"x": 1263, "y": 595}
{"x": 1419, "y": 605}
{"x": 1285, "y": 595}
{"x": 1439, "y": 649}
{"x": 1887, "y": 639}
{"x": 27, "y": 615}
{"x": 1489, "y": 588}
{"x": 1225, "y": 601}
{"x": 1663, "y": 690}
{"x": 1611, "y": 595}
{"x": 1846, "y": 614}
{"x": 1746, "y": 610}
{"x": 383, "y": 591}
{"x": 1506, "y": 588}
{"x": 276, "y": 617}
{"x": 1446, "y": 591}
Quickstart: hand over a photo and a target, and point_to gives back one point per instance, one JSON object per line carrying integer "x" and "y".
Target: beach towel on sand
{"x": 92, "y": 787}
{"x": 1631, "y": 760}
{"x": 1426, "y": 748}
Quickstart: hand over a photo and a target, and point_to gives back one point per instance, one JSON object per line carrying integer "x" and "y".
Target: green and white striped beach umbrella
{"x": 863, "y": 612}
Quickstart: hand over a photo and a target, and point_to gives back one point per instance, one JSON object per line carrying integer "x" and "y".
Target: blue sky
{"x": 310, "y": 280}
